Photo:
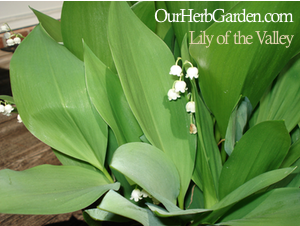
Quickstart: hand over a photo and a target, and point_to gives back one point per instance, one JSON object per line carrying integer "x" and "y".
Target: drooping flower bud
{"x": 10, "y": 42}
{"x": 192, "y": 72}
{"x": 17, "y": 40}
{"x": 176, "y": 70}
{"x": 190, "y": 107}
{"x": 136, "y": 195}
{"x": 173, "y": 95}
{"x": 193, "y": 129}
{"x": 4, "y": 27}
{"x": 180, "y": 86}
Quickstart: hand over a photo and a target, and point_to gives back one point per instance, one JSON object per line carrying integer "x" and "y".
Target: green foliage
{"x": 95, "y": 88}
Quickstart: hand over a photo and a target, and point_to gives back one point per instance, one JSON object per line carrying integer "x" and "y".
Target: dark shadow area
{"x": 5, "y": 88}
{"x": 71, "y": 222}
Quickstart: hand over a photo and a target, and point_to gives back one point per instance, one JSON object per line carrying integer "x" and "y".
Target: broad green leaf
{"x": 51, "y": 25}
{"x": 101, "y": 215}
{"x": 112, "y": 146}
{"x": 112, "y": 106}
{"x": 237, "y": 122}
{"x": 87, "y": 21}
{"x": 49, "y": 89}
{"x": 185, "y": 54}
{"x": 164, "y": 30}
{"x": 106, "y": 93}
{"x": 282, "y": 102}
{"x": 250, "y": 187}
{"x": 208, "y": 160}
{"x": 182, "y": 217}
{"x": 274, "y": 208}
{"x": 295, "y": 180}
{"x": 194, "y": 198}
{"x": 145, "y": 11}
{"x": 190, "y": 8}
{"x": 164, "y": 213}
{"x": 67, "y": 160}
{"x": 50, "y": 189}
{"x": 143, "y": 64}
{"x": 292, "y": 155}
{"x": 127, "y": 209}
{"x": 230, "y": 70}
{"x": 90, "y": 221}
{"x": 253, "y": 185}
{"x": 8, "y": 99}
{"x": 151, "y": 169}
{"x": 261, "y": 149}
{"x": 295, "y": 134}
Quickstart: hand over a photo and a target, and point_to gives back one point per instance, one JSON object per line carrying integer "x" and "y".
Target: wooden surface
{"x": 20, "y": 150}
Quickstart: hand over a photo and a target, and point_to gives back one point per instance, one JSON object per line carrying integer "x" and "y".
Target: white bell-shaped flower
{"x": 190, "y": 107}
{"x": 145, "y": 194}
{"x": 173, "y": 95}
{"x": 2, "y": 108}
{"x": 180, "y": 86}
{"x": 19, "y": 119}
{"x": 176, "y": 70}
{"x": 10, "y": 42}
{"x": 8, "y": 109}
{"x": 6, "y": 35}
{"x": 136, "y": 195}
{"x": 17, "y": 40}
{"x": 4, "y": 27}
{"x": 192, "y": 72}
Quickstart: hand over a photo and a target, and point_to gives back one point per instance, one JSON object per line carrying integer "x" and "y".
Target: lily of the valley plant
{"x": 151, "y": 129}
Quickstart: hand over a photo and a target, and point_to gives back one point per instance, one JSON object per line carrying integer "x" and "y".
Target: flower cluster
{"x": 138, "y": 195}
{"x": 6, "y": 109}
{"x": 10, "y": 36}
{"x": 179, "y": 86}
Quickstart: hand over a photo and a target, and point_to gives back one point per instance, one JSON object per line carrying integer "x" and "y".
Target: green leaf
{"x": 151, "y": 169}
{"x": 112, "y": 146}
{"x": 106, "y": 93}
{"x": 143, "y": 65}
{"x": 145, "y": 11}
{"x": 295, "y": 134}
{"x": 250, "y": 187}
{"x": 253, "y": 185}
{"x": 8, "y": 99}
{"x": 292, "y": 155}
{"x": 194, "y": 198}
{"x": 237, "y": 122}
{"x": 182, "y": 28}
{"x": 208, "y": 160}
{"x": 127, "y": 209}
{"x": 51, "y": 25}
{"x": 164, "y": 30}
{"x": 282, "y": 102}
{"x": 274, "y": 208}
{"x": 163, "y": 213}
{"x": 230, "y": 70}
{"x": 261, "y": 149}
{"x": 87, "y": 21}
{"x": 50, "y": 189}
{"x": 49, "y": 89}
{"x": 70, "y": 161}
{"x": 101, "y": 215}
